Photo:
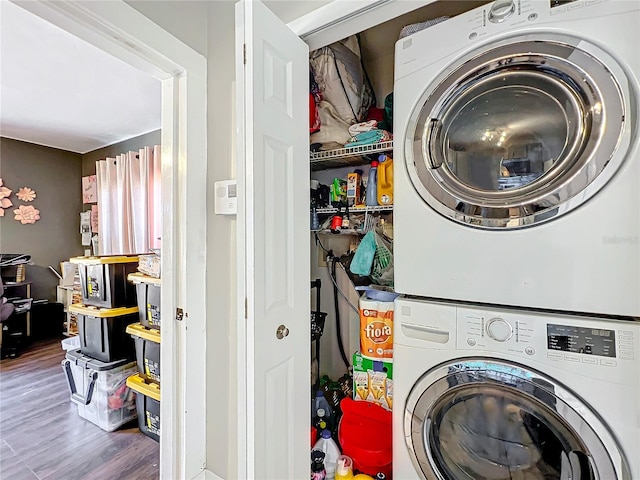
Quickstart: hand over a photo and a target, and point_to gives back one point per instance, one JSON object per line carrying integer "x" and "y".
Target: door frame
{"x": 122, "y": 31}
{"x": 332, "y": 22}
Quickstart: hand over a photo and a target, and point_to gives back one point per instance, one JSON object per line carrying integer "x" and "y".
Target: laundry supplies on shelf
{"x": 384, "y": 190}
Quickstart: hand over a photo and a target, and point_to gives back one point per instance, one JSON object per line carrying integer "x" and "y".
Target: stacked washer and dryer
{"x": 517, "y": 244}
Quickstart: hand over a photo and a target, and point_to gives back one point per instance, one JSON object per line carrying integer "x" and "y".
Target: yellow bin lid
{"x": 101, "y": 312}
{"x": 142, "y": 278}
{"x": 104, "y": 260}
{"x": 146, "y": 387}
{"x": 139, "y": 330}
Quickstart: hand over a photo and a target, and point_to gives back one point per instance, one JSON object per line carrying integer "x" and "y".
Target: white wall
{"x": 184, "y": 19}
{"x": 209, "y": 28}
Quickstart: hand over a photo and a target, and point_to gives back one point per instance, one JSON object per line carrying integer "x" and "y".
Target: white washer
{"x": 517, "y": 161}
{"x": 505, "y": 394}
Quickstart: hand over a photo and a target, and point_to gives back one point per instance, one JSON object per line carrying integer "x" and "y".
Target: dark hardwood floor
{"x": 43, "y": 437}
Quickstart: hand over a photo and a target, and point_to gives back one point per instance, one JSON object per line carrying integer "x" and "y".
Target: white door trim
{"x": 337, "y": 20}
{"x": 122, "y": 31}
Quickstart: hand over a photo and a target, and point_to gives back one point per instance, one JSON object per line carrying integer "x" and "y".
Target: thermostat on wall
{"x": 226, "y": 197}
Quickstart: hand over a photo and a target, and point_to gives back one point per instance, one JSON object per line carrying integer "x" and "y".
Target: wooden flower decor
{"x": 27, "y": 214}
{"x": 4, "y": 198}
{"x": 26, "y": 194}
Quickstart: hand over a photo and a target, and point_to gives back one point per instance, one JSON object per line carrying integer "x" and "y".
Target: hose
{"x": 335, "y": 303}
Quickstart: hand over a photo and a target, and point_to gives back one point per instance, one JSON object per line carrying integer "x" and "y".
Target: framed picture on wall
{"x": 89, "y": 189}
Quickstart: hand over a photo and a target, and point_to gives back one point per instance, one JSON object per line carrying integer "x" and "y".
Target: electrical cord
{"x": 344, "y": 295}
{"x": 330, "y": 252}
{"x": 318, "y": 242}
{"x": 335, "y": 303}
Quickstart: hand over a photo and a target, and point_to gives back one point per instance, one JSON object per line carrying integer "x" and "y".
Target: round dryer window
{"x": 493, "y": 420}
{"x": 518, "y": 134}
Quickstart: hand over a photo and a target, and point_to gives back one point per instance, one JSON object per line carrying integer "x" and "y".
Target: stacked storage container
{"x": 97, "y": 372}
{"x": 146, "y": 335}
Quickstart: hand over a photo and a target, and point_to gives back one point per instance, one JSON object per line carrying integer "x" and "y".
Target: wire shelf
{"x": 345, "y": 157}
{"x": 358, "y": 209}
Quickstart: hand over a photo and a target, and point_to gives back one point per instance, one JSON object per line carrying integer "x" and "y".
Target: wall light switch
{"x": 226, "y": 197}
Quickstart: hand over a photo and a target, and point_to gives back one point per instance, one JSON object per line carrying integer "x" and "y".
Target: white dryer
{"x": 499, "y": 394}
{"x": 517, "y": 161}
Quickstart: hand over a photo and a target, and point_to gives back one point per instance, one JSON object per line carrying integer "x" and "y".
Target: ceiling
{"x": 62, "y": 92}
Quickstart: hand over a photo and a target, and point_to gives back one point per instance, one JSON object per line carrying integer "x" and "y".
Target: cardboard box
{"x": 372, "y": 381}
{"x": 353, "y": 189}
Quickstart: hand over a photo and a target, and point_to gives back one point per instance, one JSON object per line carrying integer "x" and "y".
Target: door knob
{"x": 282, "y": 332}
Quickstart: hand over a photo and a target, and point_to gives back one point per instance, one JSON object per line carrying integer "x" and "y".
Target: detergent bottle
{"x": 322, "y": 403}
{"x": 385, "y": 180}
{"x": 344, "y": 468}
{"x": 372, "y": 185}
{"x": 318, "y": 471}
{"x": 331, "y": 451}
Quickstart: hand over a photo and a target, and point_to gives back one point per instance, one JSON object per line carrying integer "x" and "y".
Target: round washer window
{"x": 509, "y": 130}
{"x": 518, "y": 134}
{"x": 489, "y": 419}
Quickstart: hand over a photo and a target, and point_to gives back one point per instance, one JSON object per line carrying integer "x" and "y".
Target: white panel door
{"x": 273, "y": 215}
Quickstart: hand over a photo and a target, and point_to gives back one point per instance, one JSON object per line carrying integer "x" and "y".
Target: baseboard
{"x": 207, "y": 475}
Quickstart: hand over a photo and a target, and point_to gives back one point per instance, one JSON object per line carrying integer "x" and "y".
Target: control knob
{"x": 501, "y": 10}
{"x": 499, "y": 329}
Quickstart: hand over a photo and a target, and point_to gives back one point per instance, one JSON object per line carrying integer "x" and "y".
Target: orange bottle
{"x": 385, "y": 181}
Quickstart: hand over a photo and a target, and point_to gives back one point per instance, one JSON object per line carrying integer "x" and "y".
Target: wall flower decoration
{"x": 26, "y": 194}
{"x": 26, "y": 214}
{"x": 4, "y": 198}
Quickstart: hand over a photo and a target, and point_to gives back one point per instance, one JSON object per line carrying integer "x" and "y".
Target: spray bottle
{"x": 344, "y": 468}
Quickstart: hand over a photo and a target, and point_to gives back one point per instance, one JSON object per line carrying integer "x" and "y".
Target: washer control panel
{"x": 545, "y": 338}
{"x": 499, "y": 329}
{"x": 501, "y": 10}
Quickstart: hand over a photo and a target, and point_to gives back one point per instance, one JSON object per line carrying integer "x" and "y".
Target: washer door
{"x": 493, "y": 420}
{"x": 518, "y": 134}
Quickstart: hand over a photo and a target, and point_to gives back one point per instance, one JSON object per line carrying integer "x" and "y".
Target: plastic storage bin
{"x": 103, "y": 280}
{"x": 102, "y": 331}
{"x": 148, "y": 405}
{"x": 148, "y": 293}
{"x": 100, "y": 389}
{"x": 71, "y": 343}
{"x": 147, "y": 343}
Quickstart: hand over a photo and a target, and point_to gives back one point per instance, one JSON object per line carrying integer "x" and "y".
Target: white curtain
{"x": 129, "y": 202}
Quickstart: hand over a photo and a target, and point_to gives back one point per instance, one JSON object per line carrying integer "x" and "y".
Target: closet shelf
{"x": 346, "y": 157}
{"x": 358, "y": 209}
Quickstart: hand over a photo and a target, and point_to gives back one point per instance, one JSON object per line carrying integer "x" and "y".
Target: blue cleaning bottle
{"x": 372, "y": 185}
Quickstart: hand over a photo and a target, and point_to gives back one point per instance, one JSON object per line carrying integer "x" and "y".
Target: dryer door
{"x": 518, "y": 134}
{"x": 494, "y": 420}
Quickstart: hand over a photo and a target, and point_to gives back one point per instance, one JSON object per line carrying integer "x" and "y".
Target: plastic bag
{"x": 342, "y": 79}
{"x": 382, "y": 267}
{"x": 333, "y": 129}
{"x": 365, "y": 253}
{"x": 374, "y": 257}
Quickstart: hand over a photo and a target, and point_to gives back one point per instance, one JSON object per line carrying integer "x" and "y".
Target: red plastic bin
{"x": 365, "y": 435}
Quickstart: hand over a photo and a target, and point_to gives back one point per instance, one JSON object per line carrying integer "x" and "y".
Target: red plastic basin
{"x": 365, "y": 436}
